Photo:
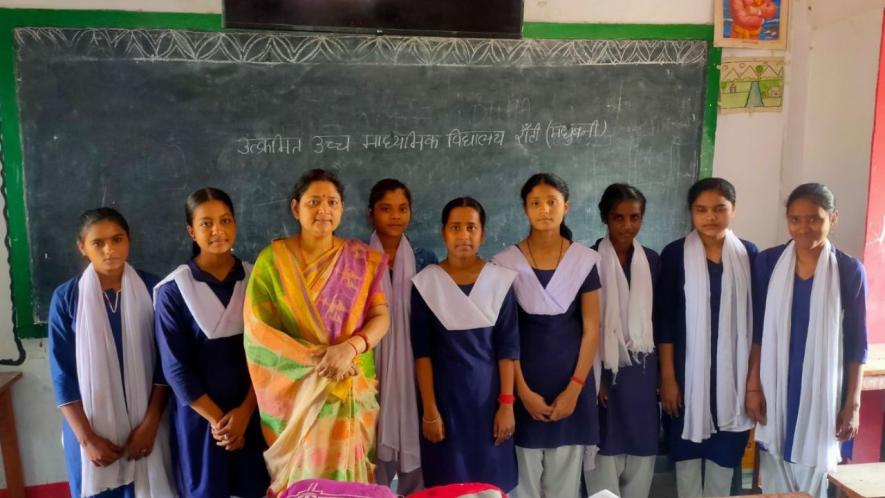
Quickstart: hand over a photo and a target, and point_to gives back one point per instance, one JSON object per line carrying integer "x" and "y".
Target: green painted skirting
{"x": 10, "y": 130}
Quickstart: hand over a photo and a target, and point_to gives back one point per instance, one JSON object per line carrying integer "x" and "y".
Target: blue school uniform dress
{"x": 723, "y": 448}
{"x": 423, "y": 257}
{"x": 63, "y": 369}
{"x": 549, "y": 346}
{"x": 630, "y": 423}
{"x": 853, "y": 290}
{"x": 466, "y": 384}
{"x": 196, "y": 365}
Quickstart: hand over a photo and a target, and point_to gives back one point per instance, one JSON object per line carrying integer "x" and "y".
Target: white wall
{"x": 620, "y": 11}
{"x": 843, "y": 64}
{"x": 822, "y": 134}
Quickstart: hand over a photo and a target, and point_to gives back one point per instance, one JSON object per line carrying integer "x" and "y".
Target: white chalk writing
{"x": 566, "y": 134}
{"x": 411, "y": 140}
{"x": 322, "y": 143}
{"x": 475, "y": 138}
{"x": 277, "y": 144}
{"x": 529, "y": 134}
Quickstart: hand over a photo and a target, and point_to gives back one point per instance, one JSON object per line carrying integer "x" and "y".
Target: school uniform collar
{"x": 236, "y": 273}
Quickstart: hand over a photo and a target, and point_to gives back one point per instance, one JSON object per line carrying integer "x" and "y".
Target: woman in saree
{"x": 314, "y": 310}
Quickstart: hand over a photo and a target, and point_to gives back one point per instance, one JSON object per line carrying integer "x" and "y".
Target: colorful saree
{"x": 315, "y": 427}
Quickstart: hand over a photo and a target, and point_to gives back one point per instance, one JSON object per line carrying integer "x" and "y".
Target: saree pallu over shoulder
{"x": 314, "y": 427}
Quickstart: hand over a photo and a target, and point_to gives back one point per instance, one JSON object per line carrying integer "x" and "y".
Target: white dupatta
{"x": 215, "y": 320}
{"x": 114, "y": 412}
{"x": 733, "y": 345}
{"x": 814, "y": 441}
{"x": 398, "y": 427}
{"x": 555, "y": 299}
{"x": 626, "y": 307}
{"x": 458, "y": 311}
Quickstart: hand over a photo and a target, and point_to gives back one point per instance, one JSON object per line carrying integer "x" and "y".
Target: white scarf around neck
{"x": 814, "y": 441}
{"x": 398, "y": 426}
{"x": 733, "y": 345}
{"x": 113, "y": 411}
{"x": 626, "y": 307}
{"x": 458, "y": 311}
{"x": 214, "y": 319}
{"x": 555, "y": 299}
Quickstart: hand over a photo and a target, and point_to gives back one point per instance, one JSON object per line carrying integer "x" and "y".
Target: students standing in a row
{"x": 480, "y": 333}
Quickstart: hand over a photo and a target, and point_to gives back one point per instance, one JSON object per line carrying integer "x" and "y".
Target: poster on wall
{"x": 751, "y": 23}
{"x": 751, "y": 84}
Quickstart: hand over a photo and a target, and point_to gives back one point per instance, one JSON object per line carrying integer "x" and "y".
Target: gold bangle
{"x": 431, "y": 421}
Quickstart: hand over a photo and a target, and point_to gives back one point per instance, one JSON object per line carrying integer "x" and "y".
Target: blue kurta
{"x": 466, "y": 385}
{"x": 853, "y": 290}
{"x": 195, "y": 366}
{"x": 549, "y": 346}
{"x": 63, "y": 368}
{"x": 629, "y": 424}
{"x": 723, "y": 448}
{"x": 423, "y": 257}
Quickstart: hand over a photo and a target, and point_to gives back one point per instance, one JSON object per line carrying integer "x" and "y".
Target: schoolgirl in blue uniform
{"x": 105, "y": 372}
{"x": 629, "y": 417}
{"x": 703, "y": 329}
{"x": 810, "y": 340}
{"x": 199, "y": 327}
{"x": 398, "y": 451}
{"x": 557, "y": 290}
{"x": 465, "y": 339}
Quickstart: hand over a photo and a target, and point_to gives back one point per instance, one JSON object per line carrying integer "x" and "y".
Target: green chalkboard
{"x": 137, "y": 118}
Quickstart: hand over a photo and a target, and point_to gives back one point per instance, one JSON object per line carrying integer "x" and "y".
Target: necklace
{"x": 528, "y": 244}
{"x": 116, "y": 304}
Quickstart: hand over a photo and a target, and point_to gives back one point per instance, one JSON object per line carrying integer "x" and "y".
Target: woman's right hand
{"x": 755, "y": 405}
{"x": 100, "y": 451}
{"x": 671, "y": 398}
{"x": 535, "y": 405}
{"x": 433, "y": 428}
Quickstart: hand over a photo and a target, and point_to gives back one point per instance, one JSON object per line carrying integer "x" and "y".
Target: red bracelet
{"x": 577, "y": 381}
{"x": 362, "y": 335}
{"x": 506, "y": 399}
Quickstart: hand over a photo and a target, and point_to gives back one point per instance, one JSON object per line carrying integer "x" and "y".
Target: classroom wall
{"x": 842, "y": 72}
{"x": 826, "y": 121}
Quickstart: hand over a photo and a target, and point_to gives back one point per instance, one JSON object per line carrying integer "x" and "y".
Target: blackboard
{"x": 138, "y": 118}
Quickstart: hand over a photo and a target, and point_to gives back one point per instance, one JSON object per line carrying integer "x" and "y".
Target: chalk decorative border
{"x": 297, "y": 48}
